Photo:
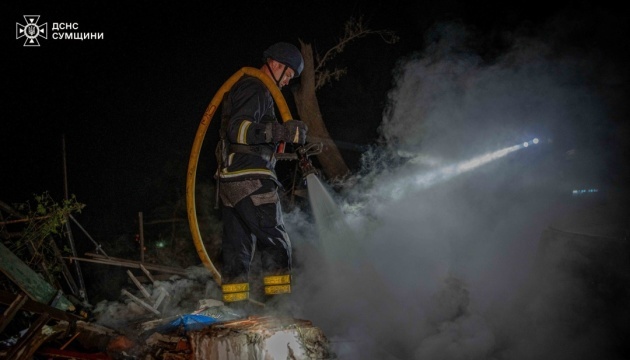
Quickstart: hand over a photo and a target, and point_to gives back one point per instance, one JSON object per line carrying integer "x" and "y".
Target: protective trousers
{"x": 252, "y": 221}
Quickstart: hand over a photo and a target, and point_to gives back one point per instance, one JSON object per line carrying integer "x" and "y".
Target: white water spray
{"x": 336, "y": 237}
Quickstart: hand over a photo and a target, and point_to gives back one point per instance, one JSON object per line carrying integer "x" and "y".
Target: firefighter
{"x": 248, "y": 186}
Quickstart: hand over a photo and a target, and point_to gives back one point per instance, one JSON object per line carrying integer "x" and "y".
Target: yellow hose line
{"x": 196, "y": 149}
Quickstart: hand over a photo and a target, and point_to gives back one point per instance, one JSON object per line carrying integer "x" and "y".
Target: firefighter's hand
{"x": 296, "y": 131}
{"x": 275, "y": 132}
{"x": 291, "y": 131}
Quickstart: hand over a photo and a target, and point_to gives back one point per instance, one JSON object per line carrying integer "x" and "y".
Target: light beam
{"x": 421, "y": 181}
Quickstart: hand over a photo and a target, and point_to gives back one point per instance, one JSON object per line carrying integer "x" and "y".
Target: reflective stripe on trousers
{"x": 235, "y": 292}
{"x": 277, "y": 284}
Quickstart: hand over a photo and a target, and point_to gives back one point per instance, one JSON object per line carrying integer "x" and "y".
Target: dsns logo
{"x": 31, "y": 30}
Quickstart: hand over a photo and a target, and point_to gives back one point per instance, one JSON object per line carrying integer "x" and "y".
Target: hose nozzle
{"x": 305, "y": 164}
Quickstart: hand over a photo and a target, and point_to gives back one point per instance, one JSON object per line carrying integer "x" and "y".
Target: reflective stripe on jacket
{"x": 251, "y": 107}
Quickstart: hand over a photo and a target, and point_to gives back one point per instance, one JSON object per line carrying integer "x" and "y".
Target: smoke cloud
{"x": 453, "y": 269}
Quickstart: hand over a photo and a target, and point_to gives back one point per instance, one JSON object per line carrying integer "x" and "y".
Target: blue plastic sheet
{"x": 188, "y": 322}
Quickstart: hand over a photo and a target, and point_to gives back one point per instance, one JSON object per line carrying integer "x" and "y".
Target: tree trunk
{"x": 330, "y": 159}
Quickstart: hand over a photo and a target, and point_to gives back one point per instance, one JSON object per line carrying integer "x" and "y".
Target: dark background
{"x": 129, "y": 105}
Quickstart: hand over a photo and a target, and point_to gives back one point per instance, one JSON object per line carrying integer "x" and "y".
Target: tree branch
{"x": 353, "y": 29}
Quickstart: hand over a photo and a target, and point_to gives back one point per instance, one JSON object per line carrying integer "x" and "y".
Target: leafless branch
{"x": 353, "y": 29}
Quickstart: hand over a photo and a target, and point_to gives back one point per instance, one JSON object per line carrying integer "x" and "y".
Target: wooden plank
{"x": 63, "y": 347}
{"x": 140, "y": 302}
{"x": 154, "y": 277}
{"x": 98, "y": 246}
{"x": 144, "y": 291}
{"x": 64, "y": 269}
{"x": 163, "y": 294}
{"x": 37, "y": 307}
{"x": 99, "y": 259}
{"x": 29, "y": 281}
{"x": 10, "y": 312}
{"x": 147, "y": 273}
{"x": 52, "y": 353}
{"x": 77, "y": 266}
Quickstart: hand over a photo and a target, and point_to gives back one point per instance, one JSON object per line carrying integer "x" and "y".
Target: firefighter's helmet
{"x": 287, "y": 54}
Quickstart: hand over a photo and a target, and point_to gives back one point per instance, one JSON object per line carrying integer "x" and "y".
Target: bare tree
{"x": 315, "y": 75}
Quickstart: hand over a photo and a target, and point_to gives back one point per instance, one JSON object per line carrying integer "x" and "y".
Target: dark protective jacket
{"x": 250, "y": 107}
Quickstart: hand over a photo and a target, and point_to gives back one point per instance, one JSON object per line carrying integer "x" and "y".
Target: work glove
{"x": 291, "y": 131}
{"x": 297, "y": 131}
{"x": 275, "y": 132}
